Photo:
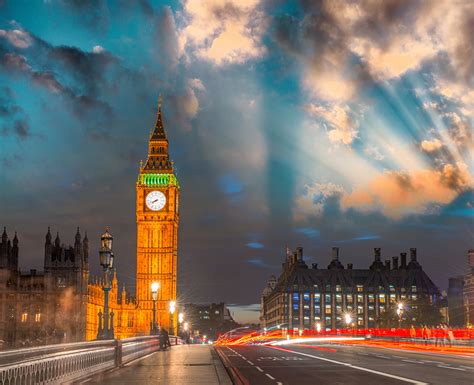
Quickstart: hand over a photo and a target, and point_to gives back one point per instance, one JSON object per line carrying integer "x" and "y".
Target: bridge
{"x": 329, "y": 360}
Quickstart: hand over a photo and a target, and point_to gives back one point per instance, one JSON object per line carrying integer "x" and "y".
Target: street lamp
{"x": 400, "y": 310}
{"x": 154, "y": 296}
{"x": 106, "y": 259}
{"x": 172, "y": 308}
{"x": 347, "y": 319}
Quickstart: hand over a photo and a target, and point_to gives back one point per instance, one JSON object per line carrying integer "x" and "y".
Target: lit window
{"x": 24, "y": 317}
{"x": 349, "y": 298}
{"x": 360, "y": 298}
{"x": 296, "y": 297}
{"x": 317, "y": 310}
{"x": 296, "y": 306}
{"x": 316, "y": 289}
{"x": 328, "y": 298}
{"x": 360, "y": 288}
{"x": 382, "y": 298}
{"x": 328, "y": 309}
{"x": 413, "y": 289}
{"x": 413, "y": 296}
{"x": 317, "y": 298}
{"x": 360, "y": 310}
{"x": 392, "y": 288}
{"x": 338, "y": 298}
{"x": 306, "y": 297}
{"x": 38, "y": 317}
{"x": 338, "y": 288}
{"x": 371, "y": 298}
{"x": 392, "y": 298}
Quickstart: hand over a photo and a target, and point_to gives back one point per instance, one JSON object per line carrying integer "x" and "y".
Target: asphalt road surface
{"x": 332, "y": 364}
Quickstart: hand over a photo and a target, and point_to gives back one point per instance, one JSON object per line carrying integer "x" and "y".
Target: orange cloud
{"x": 397, "y": 194}
{"x": 431, "y": 145}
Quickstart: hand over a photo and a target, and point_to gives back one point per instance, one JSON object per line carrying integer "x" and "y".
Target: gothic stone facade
{"x": 303, "y": 297}
{"x": 62, "y": 303}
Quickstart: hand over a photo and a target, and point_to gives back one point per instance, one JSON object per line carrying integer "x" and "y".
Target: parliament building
{"x": 306, "y": 297}
{"x": 62, "y": 303}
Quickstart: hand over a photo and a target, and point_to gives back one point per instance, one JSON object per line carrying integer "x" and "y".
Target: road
{"x": 332, "y": 364}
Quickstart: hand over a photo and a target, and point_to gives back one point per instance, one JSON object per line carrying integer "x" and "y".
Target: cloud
{"x": 98, "y": 49}
{"x": 228, "y": 32}
{"x": 255, "y": 245}
{"x": 17, "y": 37}
{"x": 431, "y": 145}
{"x": 22, "y": 129}
{"x": 308, "y": 232}
{"x": 398, "y": 194}
{"x": 342, "y": 129}
{"x": 313, "y": 200}
{"x": 257, "y": 262}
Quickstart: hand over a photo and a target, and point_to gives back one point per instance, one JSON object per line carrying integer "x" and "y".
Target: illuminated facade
{"x": 309, "y": 298}
{"x": 469, "y": 289}
{"x": 62, "y": 303}
{"x": 157, "y": 231}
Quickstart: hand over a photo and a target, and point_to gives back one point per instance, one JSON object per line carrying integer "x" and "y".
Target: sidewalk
{"x": 182, "y": 364}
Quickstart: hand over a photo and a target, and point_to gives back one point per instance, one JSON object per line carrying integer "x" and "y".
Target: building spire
{"x": 158, "y": 159}
{"x": 159, "y": 130}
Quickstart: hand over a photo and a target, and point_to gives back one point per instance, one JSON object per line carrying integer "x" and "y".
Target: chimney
{"x": 413, "y": 254}
{"x": 314, "y": 265}
{"x": 403, "y": 258}
{"x": 349, "y": 266}
{"x": 387, "y": 264}
{"x": 299, "y": 253}
{"x": 377, "y": 253}
{"x": 395, "y": 263}
{"x": 335, "y": 253}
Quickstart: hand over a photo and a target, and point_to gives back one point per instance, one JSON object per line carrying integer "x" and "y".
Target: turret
{"x": 4, "y": 249}
{"x": 77, "y": 249}
{"x": 48, "y": 249}
{"x": 335, "y": 263}
{"x": 85, "y": 251}
{"x": 13, "y": 262}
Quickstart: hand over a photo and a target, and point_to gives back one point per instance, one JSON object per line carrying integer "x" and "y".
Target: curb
{"x": 236, "y": 377}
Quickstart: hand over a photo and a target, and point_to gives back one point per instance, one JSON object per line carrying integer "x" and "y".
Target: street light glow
{"x": 172, "y": 307}
{"x": 348, "y": 318}
{"x": 154, "y": 287}
{"x": 186, "y": 325}
{"x": 180, "y": 318}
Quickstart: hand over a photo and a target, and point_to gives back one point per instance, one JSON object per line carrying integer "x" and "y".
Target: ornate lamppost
{"x": 154, "y": 296}
{"x": 400, "y": 310}
{"x": 172, "y": 306}
{"x": 106, "y": 257}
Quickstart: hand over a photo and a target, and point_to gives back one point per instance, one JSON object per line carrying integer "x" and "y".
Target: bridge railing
{"x": 69, "y": 362}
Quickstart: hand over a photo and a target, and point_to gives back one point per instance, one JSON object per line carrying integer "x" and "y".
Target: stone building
{"x": 58, "y": 304}
{"x": 469, "y": 289}
{"x": 61, "y": 304}
{"x": 211, "y": 320}
{"x": 310, "y": 297}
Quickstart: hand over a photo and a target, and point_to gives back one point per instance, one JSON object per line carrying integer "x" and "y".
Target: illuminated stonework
{"x": 157, "y": 233}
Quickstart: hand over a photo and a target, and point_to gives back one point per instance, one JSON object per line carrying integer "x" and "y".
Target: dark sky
{"x": 313, "y": 124}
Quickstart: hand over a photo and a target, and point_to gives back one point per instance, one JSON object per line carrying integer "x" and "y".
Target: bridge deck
{"x": 182, "y": 364}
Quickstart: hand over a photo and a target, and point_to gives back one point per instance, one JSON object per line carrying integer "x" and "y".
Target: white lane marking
{"x": 363, "y": 354}
{"x": 466, "y": 367}
{"x": 450, "y": 367}
{"x": 251, "y": 363}
{"x": 415, "y": 382}
{"x": 86, "y": 380}
{"x": 259, "y": 369}
{"x": 413, "y": 361}
{"x": 378, "y": 355}
{"x": 270, "y": 377}
{"x": 433, "y": 362}
{"x": 279, "y": 383}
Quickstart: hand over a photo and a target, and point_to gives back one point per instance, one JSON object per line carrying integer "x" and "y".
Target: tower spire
{"x": 158, "y": 158}
{"x": 159, "y": 130}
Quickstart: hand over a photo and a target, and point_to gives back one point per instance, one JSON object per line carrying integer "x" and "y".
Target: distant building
{"x": 456, "y": 310}
{"x": 469, "y": 289}
{"x": 211, "y": 320}
{"x": 307, "y": 298}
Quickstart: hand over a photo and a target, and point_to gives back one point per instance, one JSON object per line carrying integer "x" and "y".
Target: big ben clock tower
{"x": 157, "y": 231}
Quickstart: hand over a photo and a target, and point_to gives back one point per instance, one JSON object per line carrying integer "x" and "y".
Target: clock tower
{"x": 157, "y": 232}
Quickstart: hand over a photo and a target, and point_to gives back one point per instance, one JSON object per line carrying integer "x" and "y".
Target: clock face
{"x": 155, "y": 200}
